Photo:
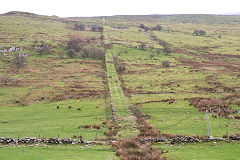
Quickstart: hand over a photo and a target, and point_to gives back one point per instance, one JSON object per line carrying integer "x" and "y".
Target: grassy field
{"x": 181, "y": 118}
{"x": 206, "y": 67}
{"x": 57, "y": 152}
{"x": 45, "y": 120}
{"x": 222, "y": 151}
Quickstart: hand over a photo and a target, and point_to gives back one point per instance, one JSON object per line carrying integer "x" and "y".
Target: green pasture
{"x": 55, "y": 152}
{"x": 202, "y": 151}
{"x": 183, "y": 119}
{"x": 45, "y": 120}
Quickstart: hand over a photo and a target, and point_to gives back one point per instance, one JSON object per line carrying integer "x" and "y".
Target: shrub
{"x": 6, "y": 79}
{"x": 44, "y": 48}
{"x": 19, "y": 60}
{"x": 142, "y": 46}
{"x": 165, "y": 63}
{"x": 72, "y": 53}
{"x": 158, "y": 27}
{"x": 75, "y": 44}
{"x": 144, "y": 27}
{"x": 158, "y": 51}
{"x": 151, "y": 56}
{"x": 100, "y": 28}
{"x": 120, "y": 67}
{"x": 141, "y": 26}
{"x": 97, "y": 28}
{"x": 80, "y": 26}
{"x": 166, "y": 49}
{"x": 93, "y": 52}
{"x": 102, "y": 38}
{"x": 199, "y": 32}
{"x": 162, "y": 43}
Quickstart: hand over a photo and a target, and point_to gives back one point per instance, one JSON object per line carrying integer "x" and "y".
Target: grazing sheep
{"x": 78, "y": 109}
{"x": 57, "y": 107}
{"x": 69, "y": 107}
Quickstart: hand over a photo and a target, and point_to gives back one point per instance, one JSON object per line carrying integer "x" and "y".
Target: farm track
{"x": 130, "y": 127}
{"x": 119, "y": 103}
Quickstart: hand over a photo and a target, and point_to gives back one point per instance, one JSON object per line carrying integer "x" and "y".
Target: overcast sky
{"x": 68, "y": 8}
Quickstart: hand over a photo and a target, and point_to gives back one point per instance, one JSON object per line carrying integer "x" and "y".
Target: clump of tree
{"x": 19, "y": 60}
{"x": 97, "y": 28}
{"x": 165, "y": 64}
{"x": 79, "y": 26}
{"x": 199, "y": 32}
{"x": 158, "y": 27}
{"x": 145, "y": 28}
{"x": 74, "y": 45}
{"x": 93, "y": 52}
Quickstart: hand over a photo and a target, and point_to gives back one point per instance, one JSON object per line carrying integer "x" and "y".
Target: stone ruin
{"x": 10, "y": 49}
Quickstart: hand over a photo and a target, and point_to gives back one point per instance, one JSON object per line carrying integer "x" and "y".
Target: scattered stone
{"x": 10, "y": 49}
{"x": 69, "y": 107}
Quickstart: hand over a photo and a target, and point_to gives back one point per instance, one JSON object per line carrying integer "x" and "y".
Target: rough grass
{"x": 54, "y": 79}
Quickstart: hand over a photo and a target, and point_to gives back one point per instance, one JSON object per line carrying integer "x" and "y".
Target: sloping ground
{"x": 119, "y": 102}
{"x": 200, "y": 71}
